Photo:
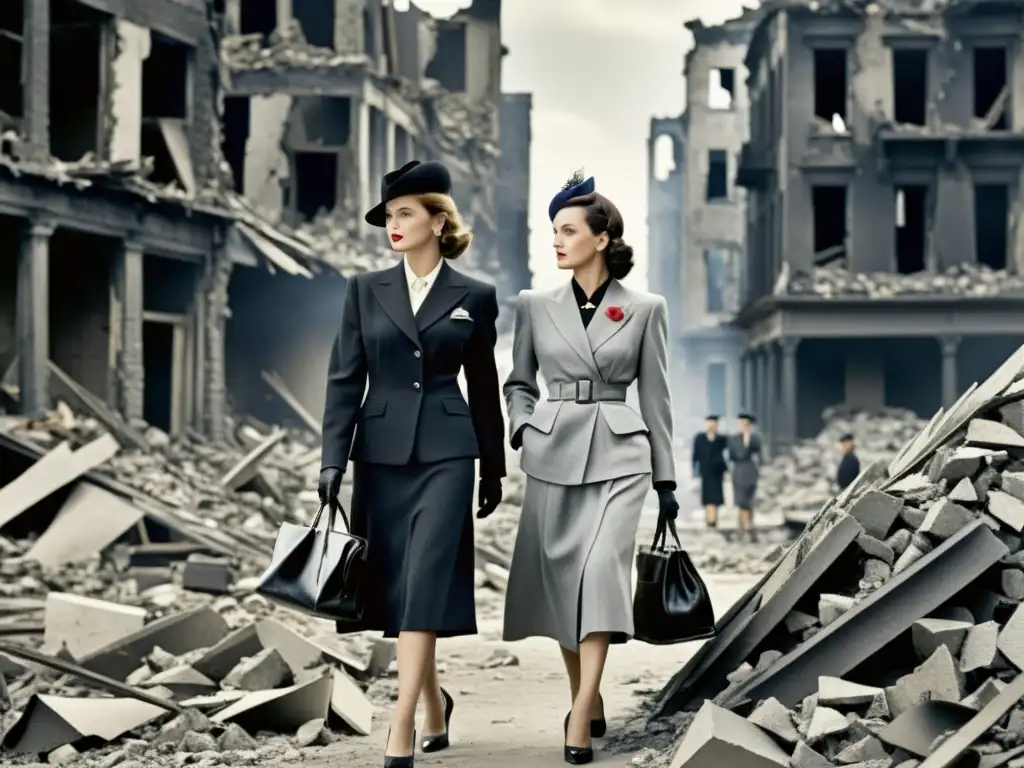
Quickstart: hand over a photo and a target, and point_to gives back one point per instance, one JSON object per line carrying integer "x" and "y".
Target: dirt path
{"x": 511, "y": 716}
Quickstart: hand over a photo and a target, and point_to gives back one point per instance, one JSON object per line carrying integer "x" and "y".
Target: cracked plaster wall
{"x": 266, "y": 163}
{"x": 133, "y": 47}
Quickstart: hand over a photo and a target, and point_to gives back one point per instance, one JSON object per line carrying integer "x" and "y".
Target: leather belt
{"x": 586, "y": 391}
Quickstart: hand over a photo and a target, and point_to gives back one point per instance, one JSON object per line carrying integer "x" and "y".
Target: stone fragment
{"x": 878, "y": 708}
{"x": 929, "y": 634}
{"x": 235, "y": 739}
{"x": 877, "y": 570}
{"x": 875, "y": 548}
{"x": 718, "y": 737}
{"x": 1011, "y": 639}
{"x": 63, "y": 755}
{"x": 919, "y": 547}
{"x": 935, "y": 679}
{"x": 992, "y": 434}
{"x": 1013, "y": 484}
{"x": 189, "y": 720}
{"x": 944, "y": 519}
{"x": 1007, "y": 510}
{"x": 986, "y": 481}
{"x": 826, "y": 722}
{"x": 961, "y": 463}
{"x": 964, "y": 492}
{"x": 161, "y": 660}
{"x": 262, "y": 672}
{"x": 193, "y": 742}
{"x": 798, "y": 621}
{"x": 766, "y": 659}
{"x": 741, "y": 673}
{"x": 1012, "y": 415}
{"x": 805, "y": 757}
{"x": 836, "y": 692}
{"x": 984, "y": 693}
{"x": 1011, "y": 581}
{"x": 84, "y": 624}
{"x": 876, "y": 512}
{"x": 805, "y": 712}
{"x": 912, "y": 517}
{"x": 773, "y": 717}
{"x": 867, "y": 748}
{"x": 831, "y": 607}
{"x": 313, "y": 734}
{"x": 898, "y": 542}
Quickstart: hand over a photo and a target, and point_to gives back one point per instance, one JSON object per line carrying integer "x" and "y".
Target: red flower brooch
{"x": 614, "y": 314}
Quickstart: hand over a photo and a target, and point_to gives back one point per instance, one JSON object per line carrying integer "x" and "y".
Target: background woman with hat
{"x": 588, "y": 456}
{"x": 407, "y": 332}
{"x": 745, "y": 459}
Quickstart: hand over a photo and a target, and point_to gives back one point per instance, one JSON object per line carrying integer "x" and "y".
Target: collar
{"x": 595, "y": 299}
{"x": 429, "y": 278}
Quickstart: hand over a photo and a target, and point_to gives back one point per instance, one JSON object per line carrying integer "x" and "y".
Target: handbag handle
{"x": 334, "y": 507}
{"x": 665, "y": 527}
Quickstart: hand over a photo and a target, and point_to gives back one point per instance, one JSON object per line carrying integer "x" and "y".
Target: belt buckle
{"x": 589, "y": 388}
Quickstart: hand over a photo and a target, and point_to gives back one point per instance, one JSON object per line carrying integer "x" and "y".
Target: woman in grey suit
{"x": 589, "y": 457}
{"x": 744, "y": 452}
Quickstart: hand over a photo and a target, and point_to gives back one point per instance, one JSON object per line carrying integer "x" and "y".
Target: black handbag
{"x": 317, "y": 570}
{"x": 671, "y": 604}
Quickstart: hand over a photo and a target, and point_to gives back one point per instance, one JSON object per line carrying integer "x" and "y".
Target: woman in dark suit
{"x": 407, "y": 332}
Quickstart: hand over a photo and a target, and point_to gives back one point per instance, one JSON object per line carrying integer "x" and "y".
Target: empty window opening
{"x": 716, "y": 267}
{"x": 910, "y": 86}
{"x": 829, "y": 214}
{"x": 258, "y": 17}
{"x": 910, "y": 229}
{"x": 158, "y": 355}
{"x": 316, "y": 183}
{"x": 235, "y": 137}
{"x": 448, "y": 66}
{"x": 716, "y": 388}
{"x": 76, "y": 35}
{"x": 12, "y": 22}
{"x": 718, "y": 175}
{"x": 991, "y": 218}
{"x": 721, "y": 88}
{"x": 991, "y": 87}
{"x": 830, "y": 83}
{"x": 317, "y": 21}
{"x": 663, "y": 160}
{"x": 165, "y": 76}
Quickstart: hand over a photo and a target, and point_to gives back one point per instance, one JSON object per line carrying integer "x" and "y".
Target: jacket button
{"x": 417, "y": 353}
{"x": 415, "y": 385}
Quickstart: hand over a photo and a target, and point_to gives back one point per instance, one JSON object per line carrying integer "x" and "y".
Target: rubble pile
{"x": 795, "y": 484}
{"x": 961, "y": 280}
{"x": 891, "y": 633}
{"x": 286, "y": 47}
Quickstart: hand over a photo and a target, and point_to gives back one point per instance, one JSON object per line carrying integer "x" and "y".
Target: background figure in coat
{"x": 407, "y": 332}
{"x": 745, "y": 467}
{"x": 588, "y": 456}
{"x": 709, "y": 466}
{"x": 849, "y": 464}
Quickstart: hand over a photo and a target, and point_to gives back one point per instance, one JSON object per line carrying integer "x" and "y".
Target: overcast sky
{"x": 598, "y": 71}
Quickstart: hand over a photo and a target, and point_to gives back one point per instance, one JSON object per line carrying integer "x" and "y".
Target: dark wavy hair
{"x": 603, "y": 216}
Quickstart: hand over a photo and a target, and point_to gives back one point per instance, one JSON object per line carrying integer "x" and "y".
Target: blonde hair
{"x": 455, "y": 238}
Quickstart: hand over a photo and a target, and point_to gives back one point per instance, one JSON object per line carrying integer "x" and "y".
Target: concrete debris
{"x": 918, "y": 641}
{"x": 959, "y": 280}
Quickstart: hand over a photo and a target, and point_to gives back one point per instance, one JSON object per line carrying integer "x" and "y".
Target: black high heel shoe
{"x": 439, "y": 742}
{"x": 576, "y": 755}
{"x": 599, "y": 726}
{"x": 405, "y": 761}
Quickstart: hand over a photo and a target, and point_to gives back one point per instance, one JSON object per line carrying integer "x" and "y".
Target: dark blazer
{"x": 709, "y": 455}
{"x": 414, "y": 409}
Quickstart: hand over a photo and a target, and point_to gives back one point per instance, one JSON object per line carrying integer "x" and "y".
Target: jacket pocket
{"x": 372, "y": 407}
{"x": 543, "y": 417}
{"x": 622, "y": 419}
{"x": 455, "y": 406}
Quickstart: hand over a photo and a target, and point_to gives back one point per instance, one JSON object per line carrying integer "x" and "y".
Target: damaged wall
{"x": 267, "y": 169}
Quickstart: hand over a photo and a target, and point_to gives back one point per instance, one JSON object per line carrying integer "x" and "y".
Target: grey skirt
{"x": 571, "y": 572}
{"x": 743, "y": 494}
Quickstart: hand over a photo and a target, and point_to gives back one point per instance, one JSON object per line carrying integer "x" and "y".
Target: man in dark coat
{"x": 709, "y": 465}
{"x": 849, "y": 464}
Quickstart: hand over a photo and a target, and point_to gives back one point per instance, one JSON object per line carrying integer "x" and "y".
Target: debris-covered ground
{"x": 891, "y": 633}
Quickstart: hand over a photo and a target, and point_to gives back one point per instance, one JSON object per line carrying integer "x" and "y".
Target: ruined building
{"x": 514, "y": 191}
{"x": 883, "y": 217}
{"x": 711, "y": 224}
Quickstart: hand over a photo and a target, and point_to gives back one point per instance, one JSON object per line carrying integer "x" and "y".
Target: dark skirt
{"x": 743, "y": 495}
{"x": 711, "y": 491}
{"x": 418, "y": 523}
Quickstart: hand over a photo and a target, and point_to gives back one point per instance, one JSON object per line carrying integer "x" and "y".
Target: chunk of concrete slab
{"x": 262, "y": 672}
{"x": 223, "y": 657}
{"x": 876, "y": 548}
{"x": 826, "y": 722}
{"x": 183, "y": 681}
{"x": 929, "y": 634}
{"x": 280, "y": 710}
{"x": 944, "y": 518}
{"x": 831, "y": 607}
{"x": 985, "y": 693}
{"x": 981, "y": 647}
{"x": 938, "y": 678}
{"x": 774, "y": 718}
{"x": 806, "y": 757}
{"x": 1013, "y": 484}
{"x": 991, "y": 434}
{"x": 876, "y": 512}
{"x": 84, "y": 624}
{"x": 349, "y": 704}
{"x": 863, "y": 750}
{"x": 899, "y": 541}
{"x": 719, "y": 737}
{"x": 836, "y": 692}
{"x": 1007, "y": 510}
{"x": 1011, "y": 638}
{"x": 914, "y": 731}
{"x": 798, "y": 621}
{"x": 964, "y": 492}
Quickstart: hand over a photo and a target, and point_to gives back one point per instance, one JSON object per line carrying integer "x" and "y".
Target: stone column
{"x": 131, "y": 374}
{"x": 217, "y": 280}
{"x": 33, "y": 319}
{"x": 788, "y": 414}
{"x": 949, "y": 345}
{"x": 746, "y": 381}
{"x": 763, "y": 391}
{"x": 36, "y": 80}
{"x": 771, "y": 411}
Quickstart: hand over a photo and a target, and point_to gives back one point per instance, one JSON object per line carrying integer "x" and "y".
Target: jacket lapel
{"x": 393, "y": 296}
{"x": 602, "y": 328}
{"x": 566, "y": 318}
{"x": 448, "y": 290}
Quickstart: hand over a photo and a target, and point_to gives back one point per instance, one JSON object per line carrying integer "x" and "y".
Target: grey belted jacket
{"x": 584, "y": 431}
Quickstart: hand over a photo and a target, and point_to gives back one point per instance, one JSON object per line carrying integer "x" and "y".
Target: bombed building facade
{"x": 883, "y": 217}
{"x": 181, "y": 207}
{"x": 516, "y": 117}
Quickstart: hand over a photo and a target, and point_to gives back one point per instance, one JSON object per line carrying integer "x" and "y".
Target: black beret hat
{"x": 748, "y": 417}
{"x": 413, "y": 178}
{"x": 712, "y": 417}
{"x": 575, "y": 187}
{"x": 846, "y": 438}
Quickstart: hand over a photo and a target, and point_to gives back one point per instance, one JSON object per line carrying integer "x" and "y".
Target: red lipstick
{"x": 395, "y": 238}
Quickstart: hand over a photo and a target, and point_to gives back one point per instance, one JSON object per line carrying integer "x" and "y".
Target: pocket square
{"x": 460, "y": 314}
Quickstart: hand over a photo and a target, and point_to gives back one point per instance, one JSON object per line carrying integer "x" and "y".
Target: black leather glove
{"x": 329, "y": 485}
{"x": 488, "y": 496}
{"x": 668, "y": 507}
